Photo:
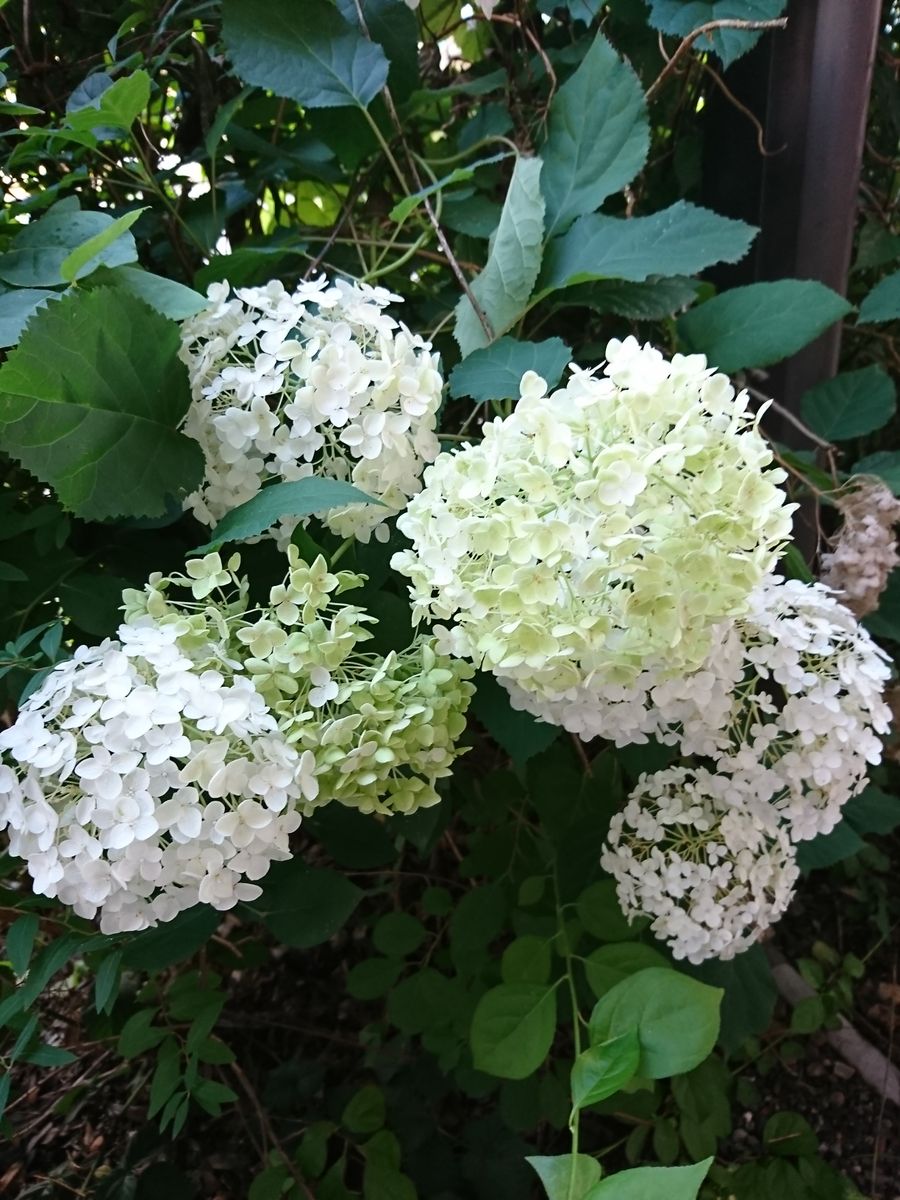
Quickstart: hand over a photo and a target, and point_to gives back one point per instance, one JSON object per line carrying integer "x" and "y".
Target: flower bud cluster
{"x": 319, "y": 380}
{"x": 614, "y": 522}
{"x": 170, "y": 766}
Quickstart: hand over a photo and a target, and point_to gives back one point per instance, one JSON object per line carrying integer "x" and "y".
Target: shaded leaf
{"x": 15, "y": 309}
{"x": 300, "y": 498}
{"x": 38, "y": 252}
{"x": 882, "y": 303}
{"x": 760, "y": 324}
{"x": 513, "y": 1029}
{"x": 597, "y": 139}
{"x": 495, "y": 372}
{"x": 851, "y": 404}
{"x": 681, "y": 17}
{"x": 504, "y": 286}
{"x": 556, "y": 1173}
{"x": 307, "y": 54}
{"x": 652, "y": 1183}
{"x": 681, "y": 240}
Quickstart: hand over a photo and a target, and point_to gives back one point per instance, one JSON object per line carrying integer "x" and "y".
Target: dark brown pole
{"x": 819, "y": 84}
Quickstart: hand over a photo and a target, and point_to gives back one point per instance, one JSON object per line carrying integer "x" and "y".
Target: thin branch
{"x": 742, "y": 108}
{"x": 700, "y": 31}
{"x": 794, "y": 420}
{"x": 268, "y": 1132}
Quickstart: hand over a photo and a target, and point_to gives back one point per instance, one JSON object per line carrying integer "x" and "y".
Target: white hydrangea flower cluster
{"x": 319, "y": 380}
{"x": 170, "y": 766}
{"x": 703, "y": 859}
{"x": 610, "y": 524}
{"x": 788, "y": 704}
{"x": 864, "y": 551}
{"x": 150, "y": 777}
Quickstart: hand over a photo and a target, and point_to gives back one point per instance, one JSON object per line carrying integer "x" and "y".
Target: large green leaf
{"x": 681, "y": 240}
{"x": 513, "y": 1028}
{"x": 16, "y": 307}
{"x": 652, "y": 1183}
{"x": 519, "y": 733}
{"x": 851, "y": 404}
{"x": 749, "y": 993}
{"x": 305, "y": 906}
{"x": 504, "y": 286}
{"x": 39, "y": 251}
{"x": 299, "y": 498}
{"x": 650, "y": 301}
{"x": 597, "y": 138}
{"x": 682, "y": 17}
{"x": 114, "y": 106}
{"x": 883, "y": 302}
{"x": 556, "y": 1174}
{"x": 760, "y": 324}
{"x": 306, "y": 53}
{"x": 677, "y": 1019}
{"x": 394, "y": 27}
{"x": 608, "y": 965}
{"x": 90, "y": 402}
{"x": 167, "y": 296}
{"x": 495, "y": 372}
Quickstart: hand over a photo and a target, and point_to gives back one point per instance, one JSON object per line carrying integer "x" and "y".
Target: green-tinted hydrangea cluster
{"x": 373, "y": 732}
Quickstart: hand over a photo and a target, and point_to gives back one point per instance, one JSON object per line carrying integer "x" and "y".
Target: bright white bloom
{"x": 788, "y": 705}
{"x": 597, "y": 530}
{"x": 702, "y": 859}
{"x": 318, "y": 380}
{"x": 170, "y": 766}
{"x": 104, "y": 751}
{"x": 864, "y": 551}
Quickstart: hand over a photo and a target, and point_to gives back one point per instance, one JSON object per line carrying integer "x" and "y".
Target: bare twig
{"x": 700, "y": 31}
{"x": 793, "y": 419}
{"x": 742, "y": 108}
{"x": 268, "y": 1132}
{"x": 866, "y": 1059}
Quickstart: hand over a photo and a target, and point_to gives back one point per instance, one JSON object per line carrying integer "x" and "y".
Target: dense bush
{"x": 489, "y": 754}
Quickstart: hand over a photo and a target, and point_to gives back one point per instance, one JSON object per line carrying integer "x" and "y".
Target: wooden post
{"x": 819, "y": 84}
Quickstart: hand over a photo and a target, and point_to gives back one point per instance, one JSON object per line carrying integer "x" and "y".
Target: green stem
{"x": 576, "y": 1034}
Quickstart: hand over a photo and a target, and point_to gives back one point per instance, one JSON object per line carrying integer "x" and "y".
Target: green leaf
{"x": 40, "y": 249}
{"x": 598, "y": 136}
{"x": 555, "y": 1174}
{"x": 20, "y": 942}
{"x": 882, "y": 303}
{"x": 373, "y": 977}
{"x": 365, "y": 1111}
{"x": 52, "y": 958}
{"x": 118, "y": 106}
{"x": 495, "y": 372}
{"x": 49, "y": 1056}
{"x": 681, "y": 240}
{"x": 518, "y": 733}
{"x": 305, "y": 906}
{"x": 609, "y": 965}
{"x": 677, "y": 1019}
{"x": 682, "y": 17}
{"x": 808, "y": 1015}
{"x": 139, "y": 1034}
{"x": 427, "y": 1000}
{"x": 300, "y": 498}
{"x": 874, "y": 811}
{"x": 652, "y": 1183}
{"x": 395, "y": 29}
{"x": 90, "y": 402}
{"x": 513, "y": 1029}
{"x": 851, "y": 404}
{"x": 106, "y": 981}
{"x": 504, "y": 286}
{"x": 601, "y": 914}
{"x": 760, "y": 324}
{"x": 79, "y": 262}
{"x": 526, "y": 960}
{"x": 166, "y": 1077}
{"x": 398, "y": 934}
{"x": 383, "y": 1182}
{"x": 788, "y": 1134}
{"x": 404, "y": 207}
{"x": 312, "y": 56}
{"x": 829, "y": 848}
{"x": 15, "y": 309}
{"x": 883, "y": 463}
{"x": 604, "y": 1069}
{"x": 750, "y": 994}
{"x": 650, "y": 301}
{"x": 166, "y": 296}
{"x": 154, "y": 949}
{"x": 270, "y": 1183}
